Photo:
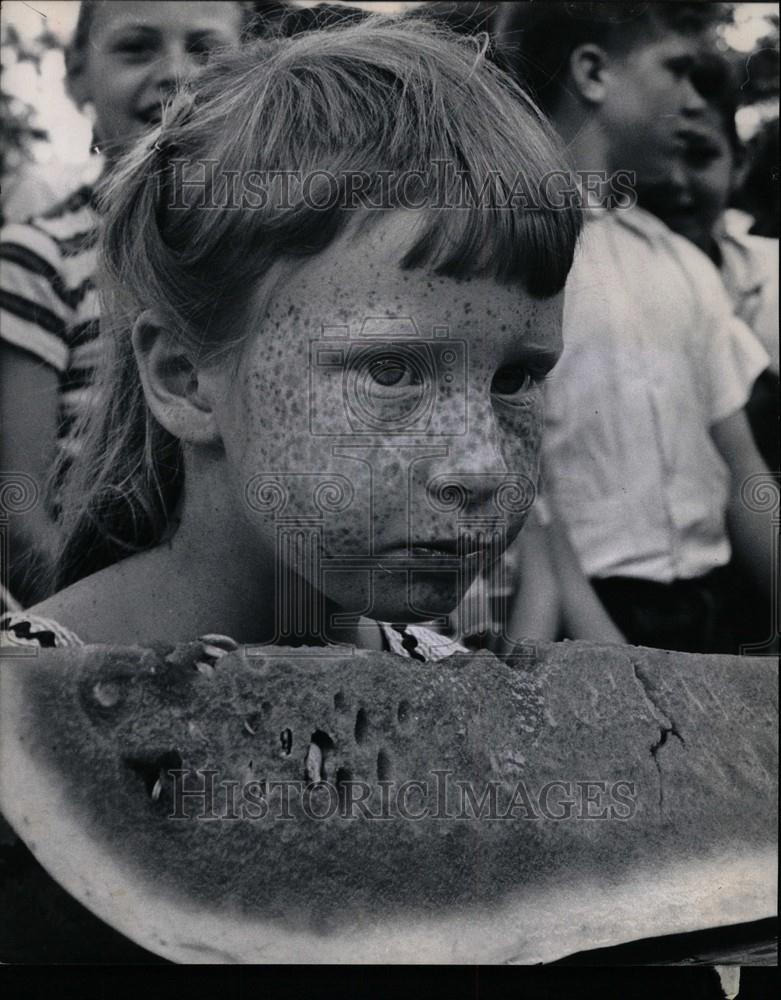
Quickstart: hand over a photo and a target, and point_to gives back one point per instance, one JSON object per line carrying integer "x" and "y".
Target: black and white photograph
{"x": 390, "y": 495}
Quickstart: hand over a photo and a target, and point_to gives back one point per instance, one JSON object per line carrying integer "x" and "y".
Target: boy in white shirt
{"x": 647, "y": 447}
{"x": 692, "y": 199}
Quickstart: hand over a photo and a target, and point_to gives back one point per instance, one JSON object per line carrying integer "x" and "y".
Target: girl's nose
{"x": 479, "y": 450}
{"x": 475, "y": 467}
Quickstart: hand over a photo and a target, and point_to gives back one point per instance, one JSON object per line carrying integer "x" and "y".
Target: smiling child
{"x": 123, "y": 63}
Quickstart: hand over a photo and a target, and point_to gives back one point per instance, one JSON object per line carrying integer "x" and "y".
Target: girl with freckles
{"x": 321, "y": 411}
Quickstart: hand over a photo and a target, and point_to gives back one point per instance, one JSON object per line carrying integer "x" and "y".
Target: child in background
{"x": 124, "y": 61}
{"x": 647, "y": 446}
{"x": 422, "y": 396}
{"x": 759, "y": 194}
{"x": 692, "y": 197}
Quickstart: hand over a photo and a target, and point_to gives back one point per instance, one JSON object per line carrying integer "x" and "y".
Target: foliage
{"x": 757, "y": 72}
{"x": 17, "y": 117}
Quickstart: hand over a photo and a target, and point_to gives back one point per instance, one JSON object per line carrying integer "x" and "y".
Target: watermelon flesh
{"x": 327, "y": 806}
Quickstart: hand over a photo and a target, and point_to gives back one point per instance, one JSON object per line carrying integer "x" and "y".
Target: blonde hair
{"x": 384, "y": 95}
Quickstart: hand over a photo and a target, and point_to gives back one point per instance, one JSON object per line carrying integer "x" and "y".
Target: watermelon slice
{"x": 329, "y": 806}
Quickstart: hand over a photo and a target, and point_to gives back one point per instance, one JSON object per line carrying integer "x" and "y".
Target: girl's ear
{"x": 180, "y": 395}
{"x": 588, "y": 65}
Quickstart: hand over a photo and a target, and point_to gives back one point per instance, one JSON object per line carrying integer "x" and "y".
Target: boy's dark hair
{"x": 714, "y": 78}
{"x": 283, "y": 19}
{"x": 537, "y": 38}
{"x": 760, "y": 193}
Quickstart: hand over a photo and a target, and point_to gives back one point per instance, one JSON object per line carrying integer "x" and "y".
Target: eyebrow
{"x": 542, "y": 358}
{"x": 136, "y": 32}
{"x": 197, "y": 34}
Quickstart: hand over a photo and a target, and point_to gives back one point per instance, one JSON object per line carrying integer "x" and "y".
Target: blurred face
{"x": 694, "y": 191}
{"x": 382, "y": 433}
{"x": 650, "y": 99}
{"x": 138, "y": 51}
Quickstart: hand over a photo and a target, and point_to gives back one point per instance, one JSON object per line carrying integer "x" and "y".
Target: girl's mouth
{"x": 448, "y": 550}
{"x": 432, "y": 550}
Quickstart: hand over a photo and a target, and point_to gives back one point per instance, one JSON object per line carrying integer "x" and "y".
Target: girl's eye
{"x": 513, "y": 384}
{"x": 387, "y": 373}
{"x": 134, "y": 50}
{"x": 391, "y": 373}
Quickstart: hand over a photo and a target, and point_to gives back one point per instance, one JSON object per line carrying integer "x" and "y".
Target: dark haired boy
{"x": 647, "y": 446}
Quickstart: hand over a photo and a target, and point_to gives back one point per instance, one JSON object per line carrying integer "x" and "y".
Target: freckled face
{"x": 388, "y": 421}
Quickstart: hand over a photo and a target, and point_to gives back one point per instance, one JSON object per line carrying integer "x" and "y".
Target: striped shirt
{"x": 48, "y": 301}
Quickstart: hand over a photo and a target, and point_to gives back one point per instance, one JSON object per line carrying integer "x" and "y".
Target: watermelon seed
{"x": 106, "y": 694}
{"x": 153, "y": 771}
{"x": 217, "y": 646}
{"x": 343, "y": 777}
{"x": 313, "y": 765}
{"x": 383, "y": 766}
{"x": 403, "y": 712}
{"x": 361, "y": 725}
{"x": 340, "y": 702}
{"x": 321, "y": 748}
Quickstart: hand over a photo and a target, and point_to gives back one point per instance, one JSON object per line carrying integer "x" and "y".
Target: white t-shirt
{"x": 653, "y": 358}
{"x": 749, "y": 270}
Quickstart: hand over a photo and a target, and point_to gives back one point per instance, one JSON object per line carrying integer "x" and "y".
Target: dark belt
{"x": 691, "y": 615}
